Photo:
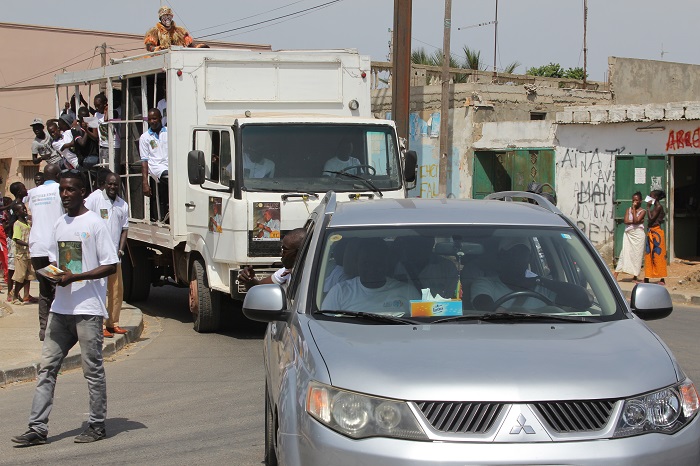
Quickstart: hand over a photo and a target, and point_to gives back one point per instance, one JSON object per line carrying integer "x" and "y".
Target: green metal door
{"x": 511, "y": 170}
{"x": 643, "y": 173}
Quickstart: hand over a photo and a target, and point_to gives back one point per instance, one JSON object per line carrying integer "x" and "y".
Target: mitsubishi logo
{"x": 522, "y": 426}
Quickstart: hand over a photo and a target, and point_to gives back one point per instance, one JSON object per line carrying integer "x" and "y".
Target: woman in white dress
{"x": 633, "y": 239}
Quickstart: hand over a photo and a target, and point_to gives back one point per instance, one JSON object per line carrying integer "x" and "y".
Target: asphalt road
{"x": 177, "y": 397}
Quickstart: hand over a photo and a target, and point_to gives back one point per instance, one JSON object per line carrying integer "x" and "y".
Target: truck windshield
{"x": 317, "y": 157}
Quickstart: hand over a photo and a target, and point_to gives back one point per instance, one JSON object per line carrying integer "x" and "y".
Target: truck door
{"x": 208, "y": 206}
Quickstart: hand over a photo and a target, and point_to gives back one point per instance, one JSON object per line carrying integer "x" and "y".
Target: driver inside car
{"x": 342, "y": 160}
{"x": 372, "y": 291}
{"x": 516, "y": 287}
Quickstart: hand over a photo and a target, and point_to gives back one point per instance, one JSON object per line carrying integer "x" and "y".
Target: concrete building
{"x": 640, "y": 131}
{"x": 32, "y": 56}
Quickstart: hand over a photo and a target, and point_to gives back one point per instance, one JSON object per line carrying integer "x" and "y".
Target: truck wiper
{"x": 367, "y": 182}
{"x": 505, "y": 316}
{"x": 384, "y": 318}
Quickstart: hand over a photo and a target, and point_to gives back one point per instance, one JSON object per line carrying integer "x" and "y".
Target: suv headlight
{"x": 359, "y": 416}
{"x": 664, "y": 411}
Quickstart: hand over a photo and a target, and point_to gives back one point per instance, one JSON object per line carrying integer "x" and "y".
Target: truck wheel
{"x": 137, "y": 276}
{"x": 270, "y": 433}
{"x": 204, "y": 302}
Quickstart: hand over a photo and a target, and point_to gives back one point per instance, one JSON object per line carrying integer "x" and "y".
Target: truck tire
{"x": 137, "y": 275}
{"x": 204, "y": 302}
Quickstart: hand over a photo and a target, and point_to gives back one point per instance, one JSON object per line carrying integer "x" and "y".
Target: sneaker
{"x": 31, "y": 300}
{"x": 18, "y": 302}
{"x": 91, "y": 434}
{"x": 29, "y": 438}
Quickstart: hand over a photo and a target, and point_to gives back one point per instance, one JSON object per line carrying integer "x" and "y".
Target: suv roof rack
{"x": 329, "y": 203}
{"x": 538, "y": 199}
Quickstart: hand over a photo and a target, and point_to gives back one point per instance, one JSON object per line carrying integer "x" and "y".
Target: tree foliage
{"x": 554, "y": 70}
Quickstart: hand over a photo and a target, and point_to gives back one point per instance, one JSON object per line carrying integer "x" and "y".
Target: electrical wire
{"x": 248, "y": 17}
{"x": 270, "y": 25}
{"x": 40, "y": 75}
{"x": 44, "y": 74}
{"x": 271, "y": 19}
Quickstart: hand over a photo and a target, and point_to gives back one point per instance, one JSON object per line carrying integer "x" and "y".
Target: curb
{"x": 29, "y": 372}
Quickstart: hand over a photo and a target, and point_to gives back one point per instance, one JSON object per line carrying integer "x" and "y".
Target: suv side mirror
{"x": 195, "y": 167}
{"x": 265, "y": 303}
{"x": 410, "y": 166}
{"x": 651, "y": 302}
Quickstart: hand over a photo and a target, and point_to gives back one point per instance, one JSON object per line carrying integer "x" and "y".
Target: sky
{"x": 531, "y": 32}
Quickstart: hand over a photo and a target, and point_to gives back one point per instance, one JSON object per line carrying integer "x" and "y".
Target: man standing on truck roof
{"x": 165, "y": 34}
{"x": 153, "y": 147}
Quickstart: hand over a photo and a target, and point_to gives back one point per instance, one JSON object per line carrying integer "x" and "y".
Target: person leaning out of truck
{"x": 291, "y": 243}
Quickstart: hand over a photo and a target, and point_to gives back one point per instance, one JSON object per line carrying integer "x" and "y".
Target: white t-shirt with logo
{"x": 114, "y": 213}
{"x": 153, "y": 149}
{"x": 102, "y": 130}
{"x": 45, "y": 205}
{"x": 86, "y": 236}
{"x": 350, "y": 295}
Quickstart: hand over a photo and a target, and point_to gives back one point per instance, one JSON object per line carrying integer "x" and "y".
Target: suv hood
{"x": 508, "y": 362}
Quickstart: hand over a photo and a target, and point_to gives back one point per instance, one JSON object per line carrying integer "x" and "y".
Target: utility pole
{"x": 585, "y": 47}
{"x": 103, "y": 63}
{"x": 445, "y": 102}
{"x": 401, "y": 69}
{"x": 495, "y": 40}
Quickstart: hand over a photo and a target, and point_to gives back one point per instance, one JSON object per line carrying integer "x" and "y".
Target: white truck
{"x": 251, "y": 136}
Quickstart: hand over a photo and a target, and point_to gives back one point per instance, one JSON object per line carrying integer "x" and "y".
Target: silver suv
{"x": 453, "y": 332}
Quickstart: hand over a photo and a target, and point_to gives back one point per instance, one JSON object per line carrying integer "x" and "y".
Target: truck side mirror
{"x": 410, "y": 166}
{"x": 195, "y": 167}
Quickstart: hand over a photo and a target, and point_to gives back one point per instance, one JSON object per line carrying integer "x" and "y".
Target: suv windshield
{"x": 319, "y": 158}
{"x": 439, "y": 272}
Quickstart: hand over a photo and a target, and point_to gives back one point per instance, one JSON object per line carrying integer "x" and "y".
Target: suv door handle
{"x": 190, "y": 204}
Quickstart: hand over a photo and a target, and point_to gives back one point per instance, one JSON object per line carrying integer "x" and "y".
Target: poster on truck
{"x": 215, "y": 217}
{"x": 266, "y": 217}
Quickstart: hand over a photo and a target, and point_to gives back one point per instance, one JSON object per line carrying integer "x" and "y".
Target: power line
{"x": 38, "y": 76}
{"x": 272, "y": 19}
{"x": 248, "y": 17}
{"x": 269, "y": 25}
{"x": 49, "y": 72}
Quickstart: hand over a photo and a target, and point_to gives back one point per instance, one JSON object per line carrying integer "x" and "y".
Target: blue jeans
{"x": 62, "y": 333}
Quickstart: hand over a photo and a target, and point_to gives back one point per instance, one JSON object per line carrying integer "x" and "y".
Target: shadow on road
{"x": 169, "y": 302}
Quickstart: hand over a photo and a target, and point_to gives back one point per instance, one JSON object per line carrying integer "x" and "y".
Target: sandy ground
{"x": 683, "y": 276}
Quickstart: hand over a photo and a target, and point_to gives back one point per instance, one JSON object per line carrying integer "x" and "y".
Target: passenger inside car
{"x": 419, "y": 266}
{"x": 516, "y": 286}
{"x": 372, "y": 290}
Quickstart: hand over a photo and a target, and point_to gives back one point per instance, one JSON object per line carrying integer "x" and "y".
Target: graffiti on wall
{"x": 592, "y": 206}
{"x": 683, "y": 139}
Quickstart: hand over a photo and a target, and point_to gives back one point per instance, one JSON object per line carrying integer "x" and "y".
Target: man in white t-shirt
{"x": 62, "y": 142}
{"x": 342, "y": 160}
{"x": 372, "y": 290}
{"x": 76, "y": 313}
{"x": 115, "y": 213}
{"x": 103, "y": 117}
{"x": 42, "y": 150}
{"x": 45, "y": 205}
{"x": 153, "y": 148}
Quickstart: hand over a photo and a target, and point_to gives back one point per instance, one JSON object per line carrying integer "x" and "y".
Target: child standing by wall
{"x": 23, "y": 268}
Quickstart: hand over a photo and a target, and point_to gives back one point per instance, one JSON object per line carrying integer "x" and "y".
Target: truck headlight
{"x": 664, "y": 411}
{"x": 360, "y": 416}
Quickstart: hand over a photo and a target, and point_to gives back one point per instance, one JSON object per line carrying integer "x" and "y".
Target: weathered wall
{"x": 635, "y": 81}
{"x": 472, "y": 105}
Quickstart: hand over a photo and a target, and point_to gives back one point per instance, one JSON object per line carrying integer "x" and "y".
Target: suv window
{"x": 441, "y": 271}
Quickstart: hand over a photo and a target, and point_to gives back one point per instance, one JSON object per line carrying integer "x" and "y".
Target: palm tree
{"x": 510, "y": 69}
{"x": 473, "y": 59}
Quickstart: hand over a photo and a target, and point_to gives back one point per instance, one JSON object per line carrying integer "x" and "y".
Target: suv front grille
{"x": 575, "y": 416}
{"x": 460, "y": 417}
